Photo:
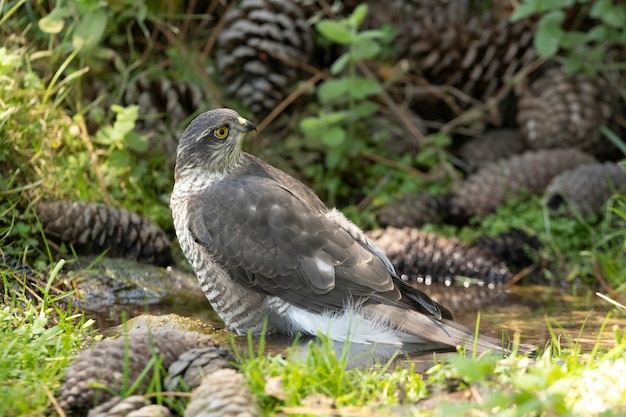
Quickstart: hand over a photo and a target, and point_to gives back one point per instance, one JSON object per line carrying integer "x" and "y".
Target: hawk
{"x": 265, "y": 248}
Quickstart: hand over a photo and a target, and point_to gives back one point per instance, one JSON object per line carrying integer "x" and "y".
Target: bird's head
{"x": 212, "y": 141}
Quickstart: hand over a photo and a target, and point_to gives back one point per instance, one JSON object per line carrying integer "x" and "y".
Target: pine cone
{"x": 561, "y": 111}
{"x": 491, "y": 146}
{"x": 258, "y": 50}
{"x": 453, "y": 45}
{"x": 91, "y": 228}
{"x": 531, "y": 171}
{"x": 165, "y": 104}
{"x": 223, "y": 393}
{"x": 133, "y": 406}
{"x": 512, "y": 247}
{"x": 428, "y": 258}
{"x": 194, "y": 364}
{"x": 414, "y": 210}
{"x": 104, "y": 365}
{"x": 585, "y": 189}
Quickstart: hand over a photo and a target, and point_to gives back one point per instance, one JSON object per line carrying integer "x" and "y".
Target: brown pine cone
{"x": 258, "y": 51}
{"x": 133, "y": 406}
{"x": 454, "y": 45}
{"x": 104, "y": 365}
{"x": 491, "y": 146}
{"x": 429, "y": 258}
{"x": 531, "y": 171}
{"x": 585, "y": 189}
{"x": 190, "y": 367}
{"x": 223, "y": 393}
{"x": 165, "y": 104}
{"x": 91, "y": 229}
{"x": 414, "y": 210}
{"x": 512, "y": 247}
{"x": 561, "y": 111}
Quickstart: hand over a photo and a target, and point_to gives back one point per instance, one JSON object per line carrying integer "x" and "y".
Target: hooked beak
{"x": 247, "y": 124}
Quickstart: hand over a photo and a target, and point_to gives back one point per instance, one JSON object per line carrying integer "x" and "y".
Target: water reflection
{"x": 530, "y": 311}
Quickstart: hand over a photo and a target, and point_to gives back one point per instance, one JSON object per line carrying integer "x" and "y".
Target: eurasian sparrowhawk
{"x": 265, "y": 247}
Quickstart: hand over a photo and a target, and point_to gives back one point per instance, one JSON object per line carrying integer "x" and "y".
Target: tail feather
{"x": 444, "y": 332}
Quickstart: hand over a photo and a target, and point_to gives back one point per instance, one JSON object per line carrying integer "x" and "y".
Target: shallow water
{"x": 534, "y": 311}
{"x": 530, "y": 311}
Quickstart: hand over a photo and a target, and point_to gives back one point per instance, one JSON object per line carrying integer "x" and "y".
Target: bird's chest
{"x": 240, "y": 308}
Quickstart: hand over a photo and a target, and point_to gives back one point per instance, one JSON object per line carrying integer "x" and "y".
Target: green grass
{"x": 38, "y": 339}
{"x": 559, "y": 381}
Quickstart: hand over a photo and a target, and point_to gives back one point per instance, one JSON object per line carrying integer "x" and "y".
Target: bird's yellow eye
{"x": 221, "y": 132}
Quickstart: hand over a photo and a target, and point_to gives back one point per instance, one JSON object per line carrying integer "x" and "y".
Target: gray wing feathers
{"x": 443, "y": 331}
{"x": 357, "y": 234}
{"x": 281, "y": 244}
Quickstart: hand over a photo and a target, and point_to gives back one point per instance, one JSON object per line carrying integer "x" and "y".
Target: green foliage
{"x": 609, "y": 251}
{"x": 90, "y": 28}
{"x": 52, "y": 156}
{"x": 582, "y": 50}
{"x": 316, "y": 369}
{"x": 560, "y": 381}
{"x": 570, "y": 246}
{"x": 340, "y": 127}
{"x": 37, "y": 342}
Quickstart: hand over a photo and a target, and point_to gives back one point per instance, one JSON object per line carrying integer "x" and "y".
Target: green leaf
{"x": 363, "y": 87}
{"x": 334, "y": 31}
{"x": 364, "y": 49}
{"x": 572, "y": 39}
{"x": 440, "y": 140}
{"x": 311, "y": 126}
{"x": 332, "y": 89}
{"x": 549, "y": 33}
{"x": 332, "y": 160}
{"x": 90, "y": 29}
{"x": 120, "y": 158}
{"x": 371, "y": 34}
{"x": 340, "y": 64}
{"x": 334, "y": 136}
{"x": 427, "y": 158}
{"x": 54, "y": 22}
{"x": 530, "y": 7}
{"x": 124, "y": 120}
{"x": 610, "y": 14}
{"x": 364, "y": 109}
{"x": 524, "y": 10}
{"x": 333, "y": 117}
{"x": 136, "y": 142}
{"x": 358, "y": 15}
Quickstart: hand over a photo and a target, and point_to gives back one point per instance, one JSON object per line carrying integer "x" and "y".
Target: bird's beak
{"x": 247, "y": 124}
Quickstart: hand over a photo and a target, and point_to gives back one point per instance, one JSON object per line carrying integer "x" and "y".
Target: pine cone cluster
{"x": 584, "y": 190}
{"x": 223, "y": 393}
{"x": 532, "y": 171}
{"x": 91, "y": 229}
{"x": 561, "y": 111}
{"x": 429, "y": 258}
{"x": 90, "y": 379}
{"x": 414, "y": 210}
{"x": 491, "y": 146}
{"x": 259, "y": 49}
